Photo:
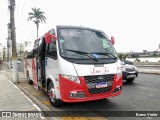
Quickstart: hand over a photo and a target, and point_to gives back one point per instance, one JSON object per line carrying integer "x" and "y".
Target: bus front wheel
{"x": 52, "y": 96}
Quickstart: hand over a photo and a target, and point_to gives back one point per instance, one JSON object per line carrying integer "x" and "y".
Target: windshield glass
{"x": 84, "y": 44}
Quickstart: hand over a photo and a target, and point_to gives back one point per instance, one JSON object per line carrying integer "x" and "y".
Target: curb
{"x": 149, "y": 72}
{"x": 38, "y": 103}
{"x": 148, "y": 66}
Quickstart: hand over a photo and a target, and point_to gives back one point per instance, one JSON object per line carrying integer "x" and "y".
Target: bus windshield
{"x": 84, "y": 44}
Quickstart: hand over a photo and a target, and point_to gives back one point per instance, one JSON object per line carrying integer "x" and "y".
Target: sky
{"x": 135, "y": 24}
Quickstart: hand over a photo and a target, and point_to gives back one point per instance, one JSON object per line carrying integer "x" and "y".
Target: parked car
{"x": 127, "y": 62}
{"x": 129, "y": 71}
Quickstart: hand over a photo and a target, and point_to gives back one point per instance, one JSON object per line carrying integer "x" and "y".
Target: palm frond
{"x": 30, "y": 18}
{"x": 38, "y": 17}
{"x": 30, "y": 13}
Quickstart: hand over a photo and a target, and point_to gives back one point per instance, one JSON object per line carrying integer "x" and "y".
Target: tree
{"x": 38, "y": 17}
{"x": 120, "y": 56}
{"x": 124, "y": 56}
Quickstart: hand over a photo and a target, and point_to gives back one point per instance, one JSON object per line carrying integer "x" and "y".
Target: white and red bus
{"x": 74, "y": 64}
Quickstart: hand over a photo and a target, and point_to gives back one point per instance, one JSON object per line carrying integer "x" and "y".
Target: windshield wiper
{"x": 84, "y": 53}
{"x": 104, "y": 53}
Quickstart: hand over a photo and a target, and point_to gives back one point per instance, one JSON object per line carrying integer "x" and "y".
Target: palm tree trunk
{"x": 37, "y": 25}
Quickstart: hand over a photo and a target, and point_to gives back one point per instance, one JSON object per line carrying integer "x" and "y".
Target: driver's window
{"x": 52, "y": 50}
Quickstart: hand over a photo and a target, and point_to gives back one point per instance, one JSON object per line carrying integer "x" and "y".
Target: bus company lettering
{"x": 99, "y": 70}
{"x": 70, "y": 33}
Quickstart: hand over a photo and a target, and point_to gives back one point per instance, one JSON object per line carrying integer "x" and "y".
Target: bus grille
{"x": 99, "y": 90}
{"x": 98, "y": 79}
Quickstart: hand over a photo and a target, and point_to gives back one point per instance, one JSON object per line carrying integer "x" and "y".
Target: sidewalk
{"x": 23, "y": 90}
{"x": 13, "y": 99}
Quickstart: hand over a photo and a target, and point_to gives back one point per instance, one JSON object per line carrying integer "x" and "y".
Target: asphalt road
{"x": 141, "y": 95}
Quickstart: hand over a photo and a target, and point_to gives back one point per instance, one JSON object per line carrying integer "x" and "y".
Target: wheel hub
{"x": 52, "y": 94}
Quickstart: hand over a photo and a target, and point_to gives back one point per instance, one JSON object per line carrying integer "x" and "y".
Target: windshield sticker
{"x": 61, "y": 44}
{"x": 105, "y": 43}
{"x": 61, "y": 40}
{"x": 95, "y": 55}
{"x": 67, "y": 33}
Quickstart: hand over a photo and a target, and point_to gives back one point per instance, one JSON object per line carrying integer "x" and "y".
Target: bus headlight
{"x": 72, "y": 78}
{"x": 119, "y": 73}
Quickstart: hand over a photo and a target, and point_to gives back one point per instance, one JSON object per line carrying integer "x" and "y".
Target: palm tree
{"x": 38, "y": 17}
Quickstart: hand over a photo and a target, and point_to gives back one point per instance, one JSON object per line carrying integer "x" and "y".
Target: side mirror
{"x": 48, "y": 37}
{"x": 112, "y": 40}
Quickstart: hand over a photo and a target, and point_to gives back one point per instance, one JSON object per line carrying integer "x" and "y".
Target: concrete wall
{"x": 145, "y": 59}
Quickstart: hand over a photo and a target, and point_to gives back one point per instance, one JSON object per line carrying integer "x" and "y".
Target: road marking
{"x": 32, "y": 109}
{"x": 83, "y": 118}
{"x": 36, "y": 94}
{"x": 47, "y": 102}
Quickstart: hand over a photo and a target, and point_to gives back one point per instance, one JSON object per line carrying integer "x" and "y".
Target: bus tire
{"x": 30, "y": 82}
{"x": 130, "y": 80}
{"x": 52, "y": 96}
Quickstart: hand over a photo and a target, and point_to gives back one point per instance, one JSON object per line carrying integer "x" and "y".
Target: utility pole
{"x": 8, "y": 56}
{"x": 8, "y": 45}
{"x": 13, "y": 38}
{"x": 4, "y": 54}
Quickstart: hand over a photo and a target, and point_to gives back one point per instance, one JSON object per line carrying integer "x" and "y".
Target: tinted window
{"x": 52, "y": 50}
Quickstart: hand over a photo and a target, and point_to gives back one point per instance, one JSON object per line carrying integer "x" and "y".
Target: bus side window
{"x": 47, "y": 48}
{"x": 35, "y": 48}
{"x": 52, "y": 50}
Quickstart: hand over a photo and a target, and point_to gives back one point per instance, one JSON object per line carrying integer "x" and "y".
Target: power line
{"x": 18, "y": 5}
{"x": 23, "y": 7}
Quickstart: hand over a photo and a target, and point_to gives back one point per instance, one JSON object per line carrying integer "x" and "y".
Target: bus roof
{"x": 78, "y": 27}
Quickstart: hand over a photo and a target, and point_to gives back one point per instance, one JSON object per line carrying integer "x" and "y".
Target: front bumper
{"x": 127, "y": 74}
{"x": 74, "y": 92}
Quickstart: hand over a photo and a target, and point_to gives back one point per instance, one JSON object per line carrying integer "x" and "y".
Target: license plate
{"x": 131, "y": 76}
{"x": 101, "y": 85}
{"x": 132, "y": 72}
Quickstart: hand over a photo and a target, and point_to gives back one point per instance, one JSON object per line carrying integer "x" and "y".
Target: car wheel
{"x": 52, "y": 96}
{"x": 29, "y": 80}
{"x": 130, "y": 79}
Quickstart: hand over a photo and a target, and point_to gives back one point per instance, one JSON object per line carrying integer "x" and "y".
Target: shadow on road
{"x": 129, "y": 83}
